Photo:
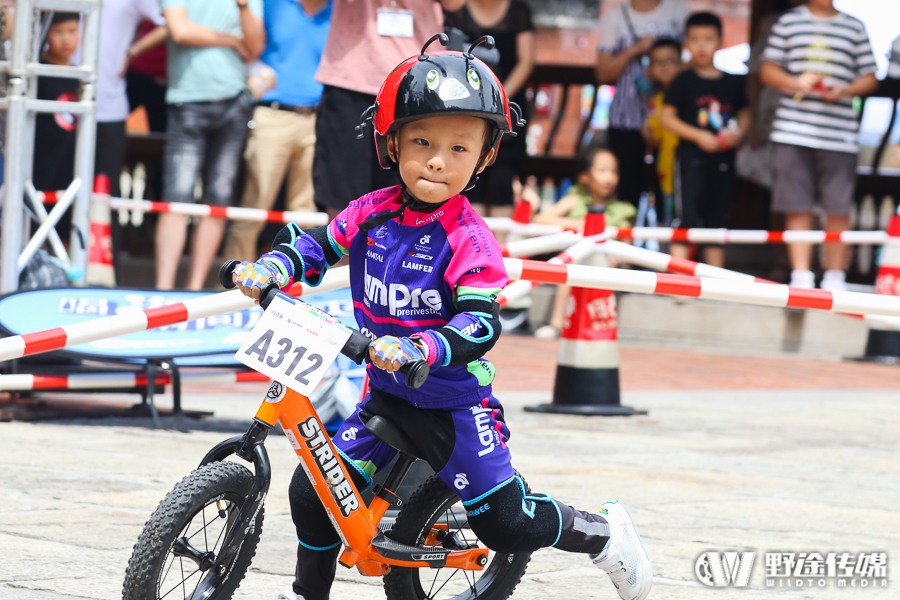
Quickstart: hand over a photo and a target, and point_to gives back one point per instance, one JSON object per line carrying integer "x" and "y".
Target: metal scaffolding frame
{"x": 21, "y": 69}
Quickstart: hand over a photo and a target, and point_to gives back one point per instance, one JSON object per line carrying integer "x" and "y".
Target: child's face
{"x": 702, "y": 41}
{"x": 665, "y": 63}
{"x": 822, "y": 4}
{"x": 62, "y": 39}
{"x": 438, "y": 155}
{"x": 603, "y": 176}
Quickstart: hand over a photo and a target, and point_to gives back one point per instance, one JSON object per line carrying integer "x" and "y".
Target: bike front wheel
{"x": 436, "y": 508}
{"x": 175, "y": 556}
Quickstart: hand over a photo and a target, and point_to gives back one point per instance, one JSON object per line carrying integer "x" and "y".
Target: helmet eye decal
{"x": 452, "y": 89}
{"x": 474, "y": 79}
{"x": 432, "y": 79}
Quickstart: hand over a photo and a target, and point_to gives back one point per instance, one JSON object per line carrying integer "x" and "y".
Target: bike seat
{"x": 389, "y": 433}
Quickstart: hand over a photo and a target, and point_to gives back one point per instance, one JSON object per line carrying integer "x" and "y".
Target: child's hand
{"x": 389, "y": 353}
{"x": 805, "y": 82}
{"x": 251, "y": 278}
{"x": 729, "y": 138}
{"x": 832, "y": 93}
{"x": 709, "y": 142}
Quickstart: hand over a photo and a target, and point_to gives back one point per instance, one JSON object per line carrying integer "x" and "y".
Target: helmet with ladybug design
{"x": 438, "y": 84}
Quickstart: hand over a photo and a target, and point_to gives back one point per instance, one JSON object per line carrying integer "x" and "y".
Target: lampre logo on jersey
{"x": 397, "y": 296}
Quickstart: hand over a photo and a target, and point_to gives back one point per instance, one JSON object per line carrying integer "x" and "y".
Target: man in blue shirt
{"x": 283, "y": 138}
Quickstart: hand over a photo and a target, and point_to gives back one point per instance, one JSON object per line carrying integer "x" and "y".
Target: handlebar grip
{"x": 357, "y": 347}
{"x": 416, "y": 373}
{"x": 267, "y": 294}
{"x": 225, "y": 274}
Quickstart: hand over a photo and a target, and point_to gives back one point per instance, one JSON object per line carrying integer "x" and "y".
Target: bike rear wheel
{"x": 429, "y": 510}
{"x": 175, "y": 556}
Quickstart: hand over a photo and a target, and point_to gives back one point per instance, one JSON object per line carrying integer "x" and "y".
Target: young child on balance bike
{"x": 425, "y": 271}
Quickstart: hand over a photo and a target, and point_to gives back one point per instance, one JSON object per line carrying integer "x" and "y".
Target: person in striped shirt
{"x": 820, "y": 59}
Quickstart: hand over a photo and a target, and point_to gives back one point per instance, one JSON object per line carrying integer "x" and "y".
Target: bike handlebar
{"x": 356, "y": 348}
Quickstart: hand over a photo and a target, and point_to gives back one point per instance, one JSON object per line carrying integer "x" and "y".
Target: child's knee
{"x": 507, "y": 521}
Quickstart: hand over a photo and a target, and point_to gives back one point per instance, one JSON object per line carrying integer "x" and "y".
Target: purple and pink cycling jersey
{"x": 406, "y": 277}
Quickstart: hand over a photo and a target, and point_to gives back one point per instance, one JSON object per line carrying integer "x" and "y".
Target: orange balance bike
{"x": 201, "y": 539}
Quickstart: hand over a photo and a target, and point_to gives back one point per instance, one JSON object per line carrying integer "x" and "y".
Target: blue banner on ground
{"x": 37, "y": 310}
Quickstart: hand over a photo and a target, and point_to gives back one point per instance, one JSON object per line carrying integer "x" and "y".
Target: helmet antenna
{"x": 487, "y": 40}
{"x": 441, "y": 37}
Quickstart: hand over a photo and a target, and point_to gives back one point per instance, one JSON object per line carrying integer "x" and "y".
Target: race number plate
{"x": 294, "y": 343}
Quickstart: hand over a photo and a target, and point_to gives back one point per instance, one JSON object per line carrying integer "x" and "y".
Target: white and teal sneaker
{"x": 624, "y": 559}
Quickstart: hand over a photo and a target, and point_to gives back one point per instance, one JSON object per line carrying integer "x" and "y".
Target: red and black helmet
{"x": 440, "y": 83}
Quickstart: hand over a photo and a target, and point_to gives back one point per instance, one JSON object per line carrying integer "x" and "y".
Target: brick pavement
{"x": 526, "y": 364}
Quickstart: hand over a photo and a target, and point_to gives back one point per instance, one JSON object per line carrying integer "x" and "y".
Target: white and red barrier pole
{"x": 747, "y": 292}
{"x": 587, "y": 361}
{"x": 17, "y": 346}
{"x": 704, "y": 236}
{"x": 236, "y": 213}
{"x": 883, "y": 345}
{"x": 99, "y": 381}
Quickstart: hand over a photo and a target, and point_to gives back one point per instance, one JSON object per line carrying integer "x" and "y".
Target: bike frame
{"x": 356, "y": 524}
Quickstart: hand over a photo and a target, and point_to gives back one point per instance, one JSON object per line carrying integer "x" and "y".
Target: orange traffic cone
{"x": 100, "y": 269}
{"x": 587, "y": 364}
{"x": 883, "y": 345}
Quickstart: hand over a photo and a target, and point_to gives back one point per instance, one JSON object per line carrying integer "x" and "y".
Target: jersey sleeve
{"x": 476, "y": 275}
{"x": 305, "y": 255}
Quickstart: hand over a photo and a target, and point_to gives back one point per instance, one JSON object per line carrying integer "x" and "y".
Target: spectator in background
{"x": 665, "y": 65}
{"x": 596, "y": 186}
{"x": 627, "y": 32}
{"x": 209, "y": 108}
{"x": 509, "y": 22}
{"x": 820, "y": 58}
{"x": 894, "y": 60}
{"x": 119, "y": 20}
{"x": 367, "y": 40}
{"x": 708, "y": 110}
{"x": 284, "y": 135}
{"x": 54, "y": 133}
{"x": 146, "y": 80}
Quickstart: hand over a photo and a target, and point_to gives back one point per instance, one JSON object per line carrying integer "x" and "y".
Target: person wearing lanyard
{"x": 283, "y": 136}
{"x": 366, "y": 41}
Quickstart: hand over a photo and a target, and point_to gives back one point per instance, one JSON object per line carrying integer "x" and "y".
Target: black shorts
{"x": 344, "y": 167}
{"x": 707, "y": 190}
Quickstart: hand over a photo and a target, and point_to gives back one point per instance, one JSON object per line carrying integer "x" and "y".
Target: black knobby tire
{"x": 194, "y": 510}
{"x": 432, "y": 503}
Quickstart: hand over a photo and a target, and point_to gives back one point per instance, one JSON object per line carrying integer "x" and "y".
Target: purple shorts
{"x": 465, "y": 445}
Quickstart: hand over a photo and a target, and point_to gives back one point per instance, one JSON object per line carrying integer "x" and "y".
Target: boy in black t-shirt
{"x": 708, "y": 110}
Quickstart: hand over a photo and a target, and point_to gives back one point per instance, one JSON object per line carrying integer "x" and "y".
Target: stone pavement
{"x": 736, "y": 453}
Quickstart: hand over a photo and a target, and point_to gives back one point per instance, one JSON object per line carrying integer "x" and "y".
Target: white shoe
{"x": 289, "y": 594}
{"x": 834, "y": 280}
{"x": 624, "y": 559}
{"x": 802, "y": 278}
{"x": 546, "y": 332}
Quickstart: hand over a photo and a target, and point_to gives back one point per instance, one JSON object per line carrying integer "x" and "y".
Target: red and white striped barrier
{"x": 235, "y": 213}
{"x": 553, "y": 242}
{"x": 658, "y": 261}
{"x": 703, "y": 236}
{"x": 618, "y": 280}
{"x": 131, "y": 321}
{"x": 747, "y": 292}
{"x": 575, "y": 253}
{"x": 96, "y": 381}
